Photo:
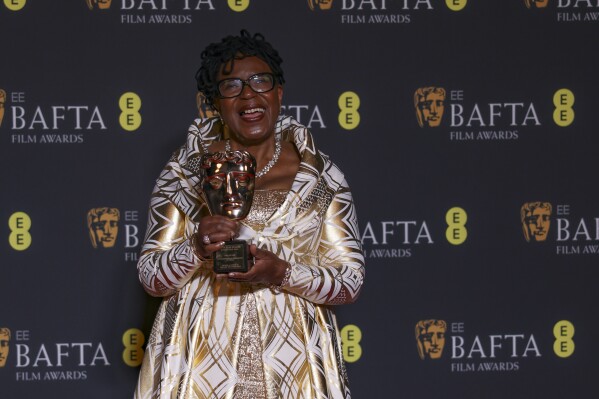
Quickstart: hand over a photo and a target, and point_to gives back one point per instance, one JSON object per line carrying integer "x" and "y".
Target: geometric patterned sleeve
{"x": 167, "y": 259}
{"x": 338, "y": 277}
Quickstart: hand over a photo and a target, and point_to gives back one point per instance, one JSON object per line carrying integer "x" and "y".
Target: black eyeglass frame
{"x": 246, "y": 82}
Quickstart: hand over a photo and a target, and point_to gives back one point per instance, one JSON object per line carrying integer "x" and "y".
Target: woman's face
{"x": 251, "y": 116}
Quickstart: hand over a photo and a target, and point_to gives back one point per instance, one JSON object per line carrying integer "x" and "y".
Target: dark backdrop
{"x": 500, "y": 144}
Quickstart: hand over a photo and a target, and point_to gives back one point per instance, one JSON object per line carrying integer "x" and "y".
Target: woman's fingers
{"x": 212, "y": 233}
{"x": 266, "y": 269}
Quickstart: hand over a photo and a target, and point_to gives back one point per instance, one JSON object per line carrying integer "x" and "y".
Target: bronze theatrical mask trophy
{"x": 228, "y": 179}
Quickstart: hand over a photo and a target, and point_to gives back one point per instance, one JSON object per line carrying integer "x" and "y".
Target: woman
{"x": 267, "y": 333}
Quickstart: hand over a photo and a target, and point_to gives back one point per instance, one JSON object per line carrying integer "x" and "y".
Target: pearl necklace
{"x": 270, "y": 163}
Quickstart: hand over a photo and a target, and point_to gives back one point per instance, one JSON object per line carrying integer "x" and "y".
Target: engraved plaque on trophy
{"x": 228, "y": 185}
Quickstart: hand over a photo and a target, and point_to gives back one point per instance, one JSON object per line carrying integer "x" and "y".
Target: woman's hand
{"x": 212, "y": 233}
{"x": 268, "y": 269}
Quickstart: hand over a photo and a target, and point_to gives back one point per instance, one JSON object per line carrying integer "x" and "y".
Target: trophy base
{"x": 232, "y": 257}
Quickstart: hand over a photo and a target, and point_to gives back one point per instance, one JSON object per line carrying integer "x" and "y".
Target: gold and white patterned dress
{"x": 220, "y": 339}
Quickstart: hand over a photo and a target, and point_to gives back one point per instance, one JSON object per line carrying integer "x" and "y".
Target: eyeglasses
{"x": 259, "y": 83}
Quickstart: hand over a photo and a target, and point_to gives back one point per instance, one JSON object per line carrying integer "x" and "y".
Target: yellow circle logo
{"x": 456, "y": 5}
{"x": 563, "y": 331}
{"x": 349, "y": 117}
{"x": 238, "y": 5}
{"x": 130, "y": 118}
{"x": 133, "y": 340}
{"x": 351, "y": 335}
{"x": 563, "y": 99}
{"x": 19, "y": 224}
{"x": 456, "y": 232}
{"x": 15, "y": 5}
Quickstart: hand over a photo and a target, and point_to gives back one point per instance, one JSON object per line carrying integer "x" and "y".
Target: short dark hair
{"x": 217, "y": 55}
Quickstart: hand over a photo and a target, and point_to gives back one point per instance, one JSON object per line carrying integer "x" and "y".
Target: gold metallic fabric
{"x": 198, "y": 347}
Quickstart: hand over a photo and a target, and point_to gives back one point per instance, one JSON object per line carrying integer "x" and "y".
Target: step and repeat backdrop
{"x": 467, "y": 129}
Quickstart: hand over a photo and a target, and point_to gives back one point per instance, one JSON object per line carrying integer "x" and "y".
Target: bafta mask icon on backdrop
{"x": 536, "y": 3}
{"x": 321, "y": 4}
{"x": 430, "y": 104}
{"x": 100, "y": 4}
{"x": 103, "y": 225}
{"x": 536, "y": 220}
{"x": 4, "y": 347}
{"x": 430, "y": 338}
{"x": 2, "y": 103}
{"x": 205, "y": 111}
{"x": 228, "y": 180}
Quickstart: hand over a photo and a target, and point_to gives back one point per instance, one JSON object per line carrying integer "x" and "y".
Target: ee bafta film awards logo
{"x": 536, "y": 220}
{"x": 103, "y": 225}
{"x": 99, "y": 4}
{"x": 536, "y": 3}
{"x": 430, "y": 105}
{"x": 4, "y": 348}
{"x": 430, "y": 338}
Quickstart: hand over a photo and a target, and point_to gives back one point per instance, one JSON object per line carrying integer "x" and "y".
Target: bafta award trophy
{"x": 228, "y": 179}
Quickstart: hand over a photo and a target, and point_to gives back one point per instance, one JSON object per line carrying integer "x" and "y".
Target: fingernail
{"x": 220, "y": 244}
